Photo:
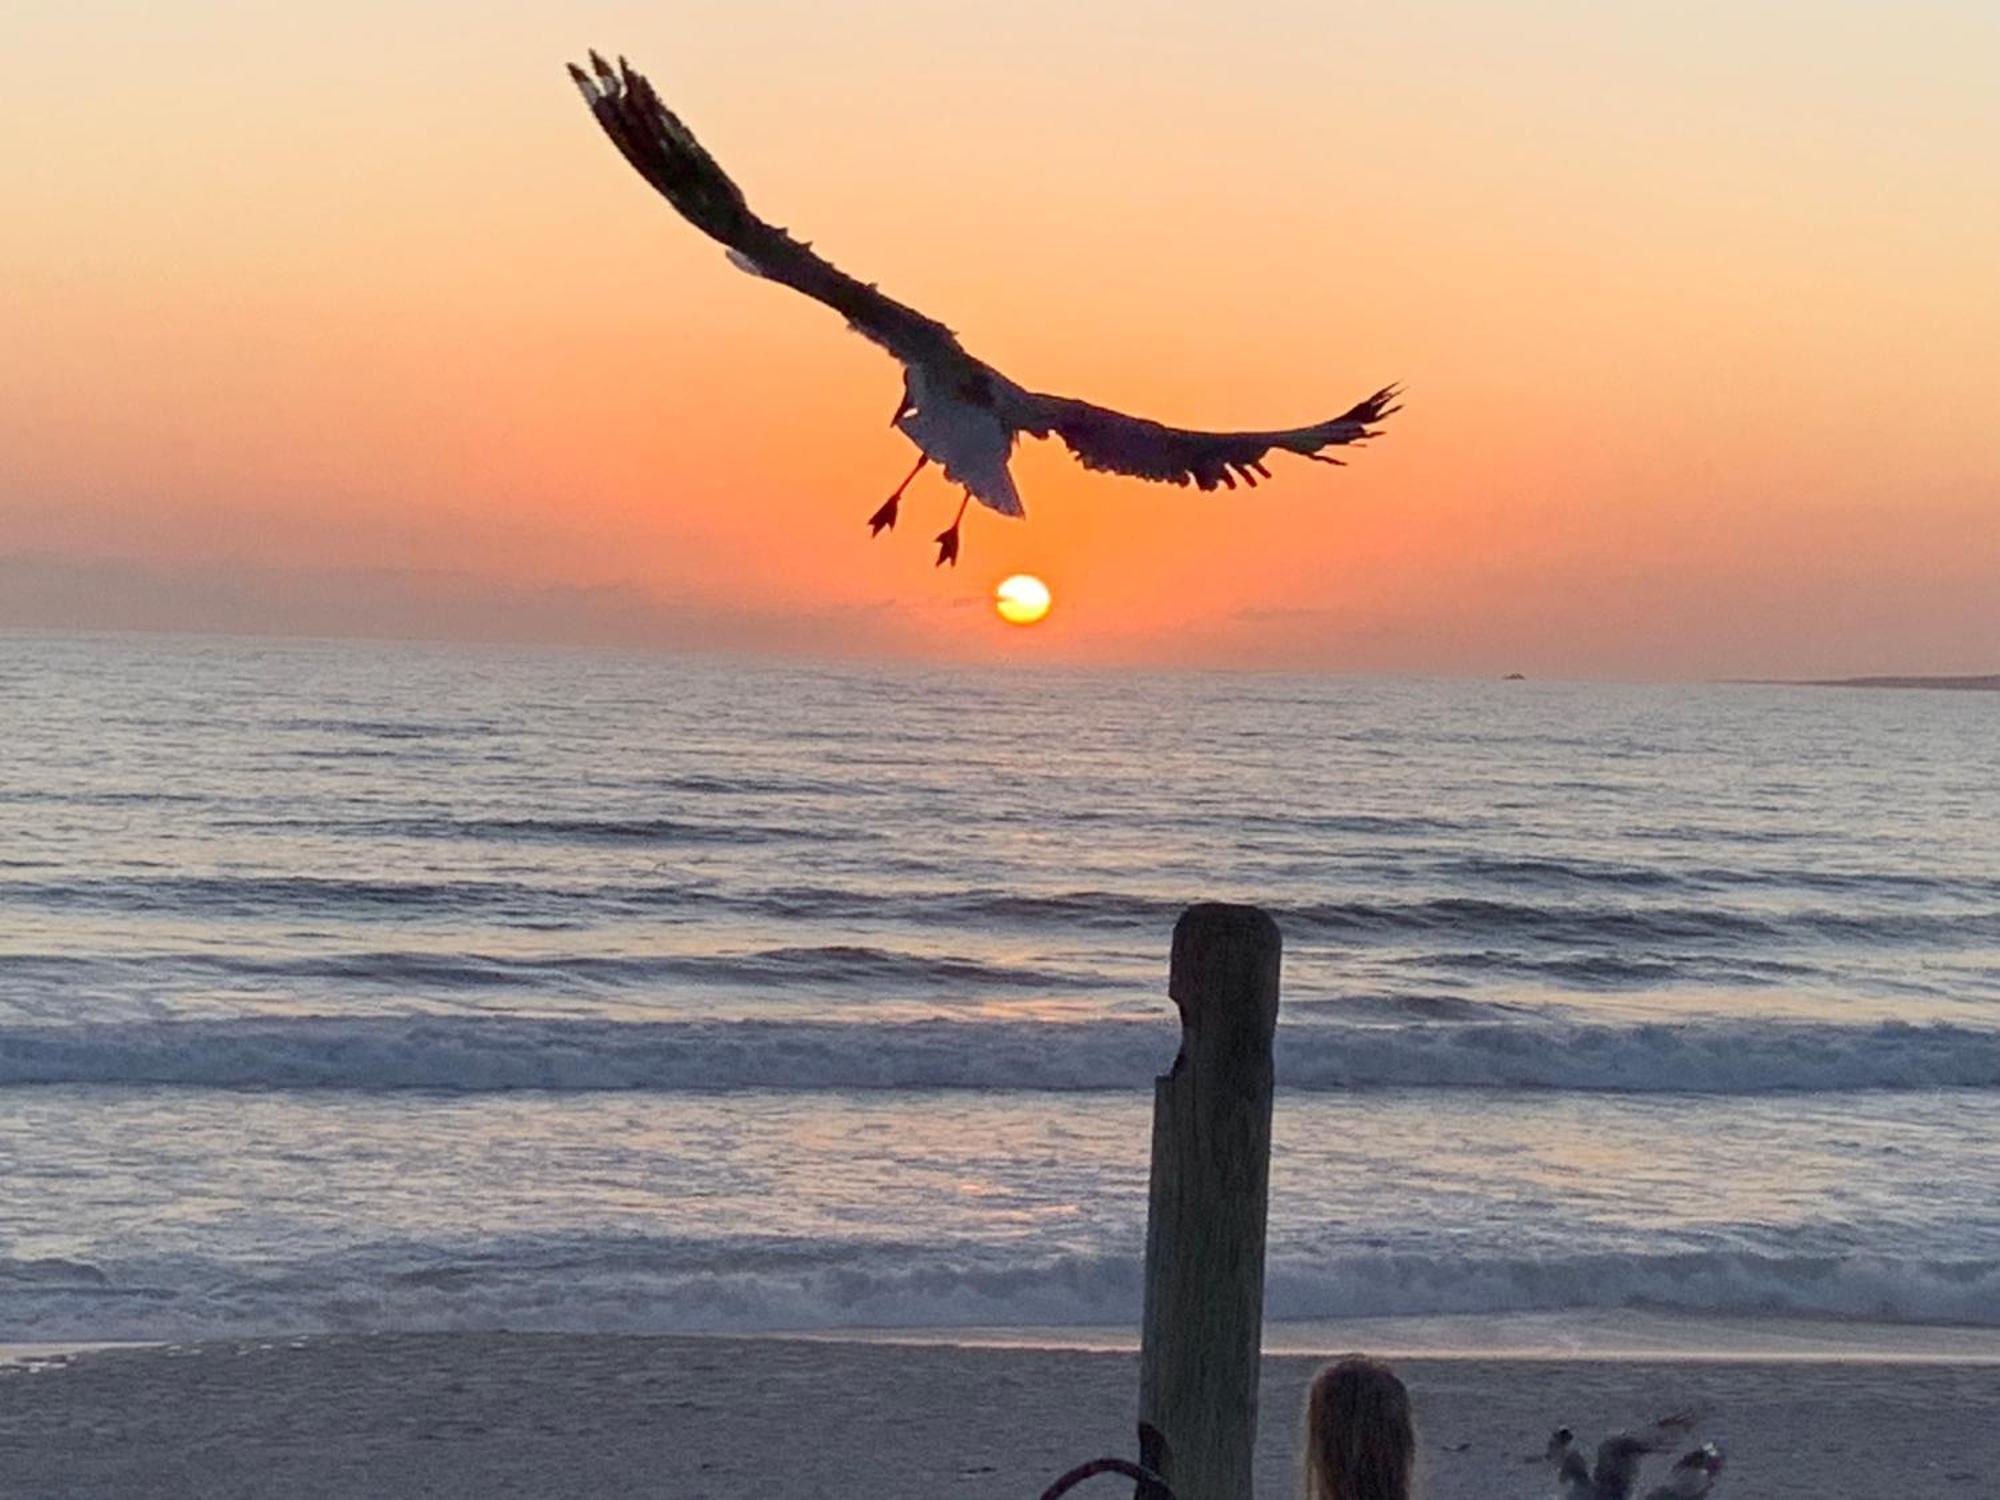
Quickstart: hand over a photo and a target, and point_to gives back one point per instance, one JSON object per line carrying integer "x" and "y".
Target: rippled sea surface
{"x": 359, "y": 986}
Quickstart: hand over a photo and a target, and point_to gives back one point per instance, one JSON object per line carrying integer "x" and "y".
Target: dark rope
{"x": 1151, "y": 1486}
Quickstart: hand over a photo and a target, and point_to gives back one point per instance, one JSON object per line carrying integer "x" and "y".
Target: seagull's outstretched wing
{"x": 668, "y": 156}
{"x": 1105, "y": 439}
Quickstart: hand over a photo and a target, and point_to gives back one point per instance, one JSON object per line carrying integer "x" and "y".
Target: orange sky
{"x": 330, "y": 319}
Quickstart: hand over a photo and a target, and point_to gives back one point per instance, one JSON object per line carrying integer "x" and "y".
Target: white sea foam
{"x": 667, "y": 1286}
{"x": 487, "y": 1054}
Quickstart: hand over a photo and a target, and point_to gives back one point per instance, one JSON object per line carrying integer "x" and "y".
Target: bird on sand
{"x": 960, "y": 413}
{"x": 1617, "y": 1469}
{"x": 1572, "y": 1472}
{"x": 1616, "y": 1473}
{"x": 1692, "y": 1476}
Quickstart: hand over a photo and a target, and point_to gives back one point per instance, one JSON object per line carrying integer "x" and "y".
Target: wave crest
{"x": 477, "y": 1054}
{"x": 664, "y": 1285}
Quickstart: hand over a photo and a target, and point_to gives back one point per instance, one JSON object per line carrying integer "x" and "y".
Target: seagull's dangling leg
{"x": 886, "y": 516}
{"x": 947, "y": 539}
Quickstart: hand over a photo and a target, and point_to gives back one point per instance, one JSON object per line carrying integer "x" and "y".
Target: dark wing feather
{"x": 1105, "y": 439}
{"x": 666, "y": 154}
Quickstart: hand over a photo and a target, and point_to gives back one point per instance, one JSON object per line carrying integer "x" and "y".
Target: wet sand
{"x": 493, "y": 1415}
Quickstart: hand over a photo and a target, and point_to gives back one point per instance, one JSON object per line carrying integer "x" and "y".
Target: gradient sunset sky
{"x": 344, "y": 319}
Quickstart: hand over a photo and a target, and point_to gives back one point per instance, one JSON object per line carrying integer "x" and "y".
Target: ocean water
{"x": 351, "y": 986}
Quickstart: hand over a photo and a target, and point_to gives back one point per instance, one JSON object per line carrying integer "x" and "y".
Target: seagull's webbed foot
{"x": 947, "y": 540}
{"x": 885, "y": 517}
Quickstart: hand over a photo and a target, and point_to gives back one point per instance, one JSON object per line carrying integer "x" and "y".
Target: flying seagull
{"x": 961, "y": 413}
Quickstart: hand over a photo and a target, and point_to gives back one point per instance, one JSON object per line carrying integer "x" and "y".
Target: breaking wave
{"x": 496, "y": 1053}
{"x": 833, "y": 966}
{"x": 1561, "y": 910}
{"x": 666, "y": 1285}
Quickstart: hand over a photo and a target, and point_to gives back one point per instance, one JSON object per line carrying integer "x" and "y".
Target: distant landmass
{"x": 1986, "y": 684}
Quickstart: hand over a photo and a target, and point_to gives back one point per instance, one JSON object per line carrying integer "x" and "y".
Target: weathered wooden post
{"x": 1202, "y": 1335}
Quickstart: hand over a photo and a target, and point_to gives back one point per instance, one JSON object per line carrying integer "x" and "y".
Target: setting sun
{"x": 1022, "y": 599}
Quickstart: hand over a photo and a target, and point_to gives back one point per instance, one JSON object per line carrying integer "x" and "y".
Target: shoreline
{"x": 340, "y": 1417}
{"x": 1621, "y": 1336}
{"x": 1616, "y": 1337}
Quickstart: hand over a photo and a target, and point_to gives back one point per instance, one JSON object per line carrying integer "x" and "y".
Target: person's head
{"x": 1360, "y": 1441}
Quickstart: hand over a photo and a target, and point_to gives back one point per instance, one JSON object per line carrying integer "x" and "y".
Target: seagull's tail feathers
{"x": 991, "y": 483}
{"x": 661, "y": 148}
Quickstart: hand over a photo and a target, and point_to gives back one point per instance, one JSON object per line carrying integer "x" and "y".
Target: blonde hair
{"x": 1361, "y": 1443}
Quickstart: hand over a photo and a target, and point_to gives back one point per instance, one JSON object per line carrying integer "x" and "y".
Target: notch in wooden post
{"x": 1203, "y": 1331}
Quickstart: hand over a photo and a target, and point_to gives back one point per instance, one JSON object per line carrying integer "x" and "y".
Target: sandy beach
{"x": 728, "y": 1419}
